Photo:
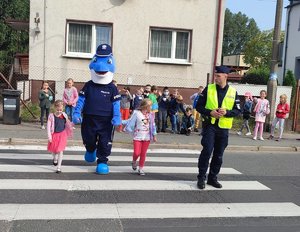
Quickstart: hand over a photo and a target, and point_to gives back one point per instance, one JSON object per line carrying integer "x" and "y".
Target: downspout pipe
{"x": 44, "y": 45}
{"x": 287, "y": 36}
{"x": 217, "y": 39}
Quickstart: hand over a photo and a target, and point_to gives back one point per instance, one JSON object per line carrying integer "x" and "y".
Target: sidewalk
{"x": 30, "y": 133}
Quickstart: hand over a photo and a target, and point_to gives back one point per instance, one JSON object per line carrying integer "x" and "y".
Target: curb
{"x": 18, "y": 141}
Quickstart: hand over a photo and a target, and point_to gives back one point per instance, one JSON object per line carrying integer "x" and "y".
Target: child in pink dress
{"x": 142, "y": 126}
{"x": 59, "y": 128}
{"x": 261, "y": 109}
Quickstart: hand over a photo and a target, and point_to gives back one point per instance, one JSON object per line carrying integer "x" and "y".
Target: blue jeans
{"x": 175, "y": 122}
{"x": 69, "y": 111}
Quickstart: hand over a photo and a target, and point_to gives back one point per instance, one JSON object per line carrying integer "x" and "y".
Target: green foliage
{"x": 12, "y": 41}
{"x": 289, "y": 79}
{"x": 258, "y": 50}
{"x": 257, "y": 76}
{"x": 25, "y": 114}
{"x": 238, "y": 30}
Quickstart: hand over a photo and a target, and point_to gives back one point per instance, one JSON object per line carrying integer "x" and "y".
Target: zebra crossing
{"x": 167, "y": 191}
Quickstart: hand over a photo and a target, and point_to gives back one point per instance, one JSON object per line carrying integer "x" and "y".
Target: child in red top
{"x": 282, "y": 110}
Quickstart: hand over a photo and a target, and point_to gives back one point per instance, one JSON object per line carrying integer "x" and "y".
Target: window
{"x": 83, "y": 38}
{"x": 169, "y": 46}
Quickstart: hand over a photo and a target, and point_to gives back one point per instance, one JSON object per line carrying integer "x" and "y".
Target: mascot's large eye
{"x": 95, "y": 59}
{"x": 109, "y": 61}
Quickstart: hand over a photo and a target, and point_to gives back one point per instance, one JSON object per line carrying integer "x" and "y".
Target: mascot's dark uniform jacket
{"x": 97, "y": 118}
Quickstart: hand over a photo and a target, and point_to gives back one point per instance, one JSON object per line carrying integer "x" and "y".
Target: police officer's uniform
{"x": 215, "y": 131}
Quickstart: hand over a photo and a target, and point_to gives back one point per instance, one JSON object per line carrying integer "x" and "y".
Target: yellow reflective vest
{"x": 227, "y": 103}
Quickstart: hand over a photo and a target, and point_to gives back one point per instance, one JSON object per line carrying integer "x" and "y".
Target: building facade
{"x": 164, "y": 43}
{"x": 291, "y": 54}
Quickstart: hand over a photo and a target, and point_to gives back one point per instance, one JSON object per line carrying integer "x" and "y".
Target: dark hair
{"x": 44, "y": 83}
{"x": 165, "y": 88}
{"x": 153, "y": 88}
{"x": 188, "y": 109}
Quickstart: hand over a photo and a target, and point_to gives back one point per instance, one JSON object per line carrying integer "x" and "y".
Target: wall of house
{"x": 293, "y": 49}
{"x": 131, "y": 21}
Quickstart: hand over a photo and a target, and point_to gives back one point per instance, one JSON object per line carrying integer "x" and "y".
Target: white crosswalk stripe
{"x": 31, "y": 165}
{"x": 99, "y": 211}
{"x": 113, "y": 169}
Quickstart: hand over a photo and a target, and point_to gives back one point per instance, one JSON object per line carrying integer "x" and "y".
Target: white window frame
{"x": 171, "y": 60}
{"x": 93, "y": 47}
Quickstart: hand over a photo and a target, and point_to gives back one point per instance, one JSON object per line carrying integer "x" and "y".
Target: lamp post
{"x": 272, "y": 82}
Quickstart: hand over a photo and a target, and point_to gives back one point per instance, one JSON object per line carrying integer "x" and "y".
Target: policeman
{"x": 218, "y": 104}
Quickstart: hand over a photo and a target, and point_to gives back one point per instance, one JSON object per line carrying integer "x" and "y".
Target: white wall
{"x": 293, "y": 48}
{"x": 131, "y": 21}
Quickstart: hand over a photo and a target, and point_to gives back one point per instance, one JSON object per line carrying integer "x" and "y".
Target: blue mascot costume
{"x": 99, "y": 103}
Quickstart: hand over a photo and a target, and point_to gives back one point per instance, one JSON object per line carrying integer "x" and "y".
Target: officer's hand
{"x": 76, "y": 118}
{"x": 222, "y": 111}
{"x": 215, "y": 114}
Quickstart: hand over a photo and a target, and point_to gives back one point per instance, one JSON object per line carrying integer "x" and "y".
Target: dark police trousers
{"x": 214, "y": 140}
{"x": 96, "y": 132}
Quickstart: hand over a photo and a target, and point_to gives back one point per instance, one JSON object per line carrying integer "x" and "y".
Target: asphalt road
{"x": 261, "y": 193}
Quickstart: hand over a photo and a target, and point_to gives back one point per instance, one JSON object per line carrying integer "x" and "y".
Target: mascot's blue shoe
{"x": 90, "y": 156}
{"x": 102, "y": 169}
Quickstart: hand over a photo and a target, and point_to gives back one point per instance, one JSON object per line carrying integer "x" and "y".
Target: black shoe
{"x": 214, "y": 183}
{"x": 196, "y": 130}
{"x": 55, "y": 163}
{"x": 58, "y": 171}
{"x": 201, "y": 184}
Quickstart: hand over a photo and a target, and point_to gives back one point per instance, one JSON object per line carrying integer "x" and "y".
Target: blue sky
{"x": 262, "y": 11}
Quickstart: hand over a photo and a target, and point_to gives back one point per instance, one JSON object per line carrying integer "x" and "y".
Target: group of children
{"x": 261, "y": 108}
{"x": 164, "y": 106}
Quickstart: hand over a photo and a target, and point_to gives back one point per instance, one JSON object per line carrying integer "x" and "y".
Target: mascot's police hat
{"x": 104, "y": 50}
{"x": 222, "y": 69}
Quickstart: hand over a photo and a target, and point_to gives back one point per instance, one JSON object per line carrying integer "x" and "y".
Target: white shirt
{"x": 141, "y": 131}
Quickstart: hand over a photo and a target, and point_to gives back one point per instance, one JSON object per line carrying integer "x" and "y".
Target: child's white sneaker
{"x": 141, "y": 172}
{"x": 248, "y": 133}
{"x": 239, "y": 133}
{"x": 254, "y": 138}
{"x": 261, "y": 138}
{"x": 134, "y": 165}
{"x": 43, "y": 127}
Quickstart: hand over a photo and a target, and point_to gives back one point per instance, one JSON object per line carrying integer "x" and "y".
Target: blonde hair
{"x": 58, "y": 103}
{"x": 145, "y": 103}
{"x": 70, "y": 79}
{"x": 284, "y": 97}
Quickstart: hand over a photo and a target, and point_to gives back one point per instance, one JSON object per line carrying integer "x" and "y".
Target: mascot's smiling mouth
{"x": 100, "y": 73}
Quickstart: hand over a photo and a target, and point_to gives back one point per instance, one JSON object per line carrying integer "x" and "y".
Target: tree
{"x": 238, "y": 30}
{"x": 258, "y": 51}
{"x": 12, "y": 41}
{"x": 290, "y": 80}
